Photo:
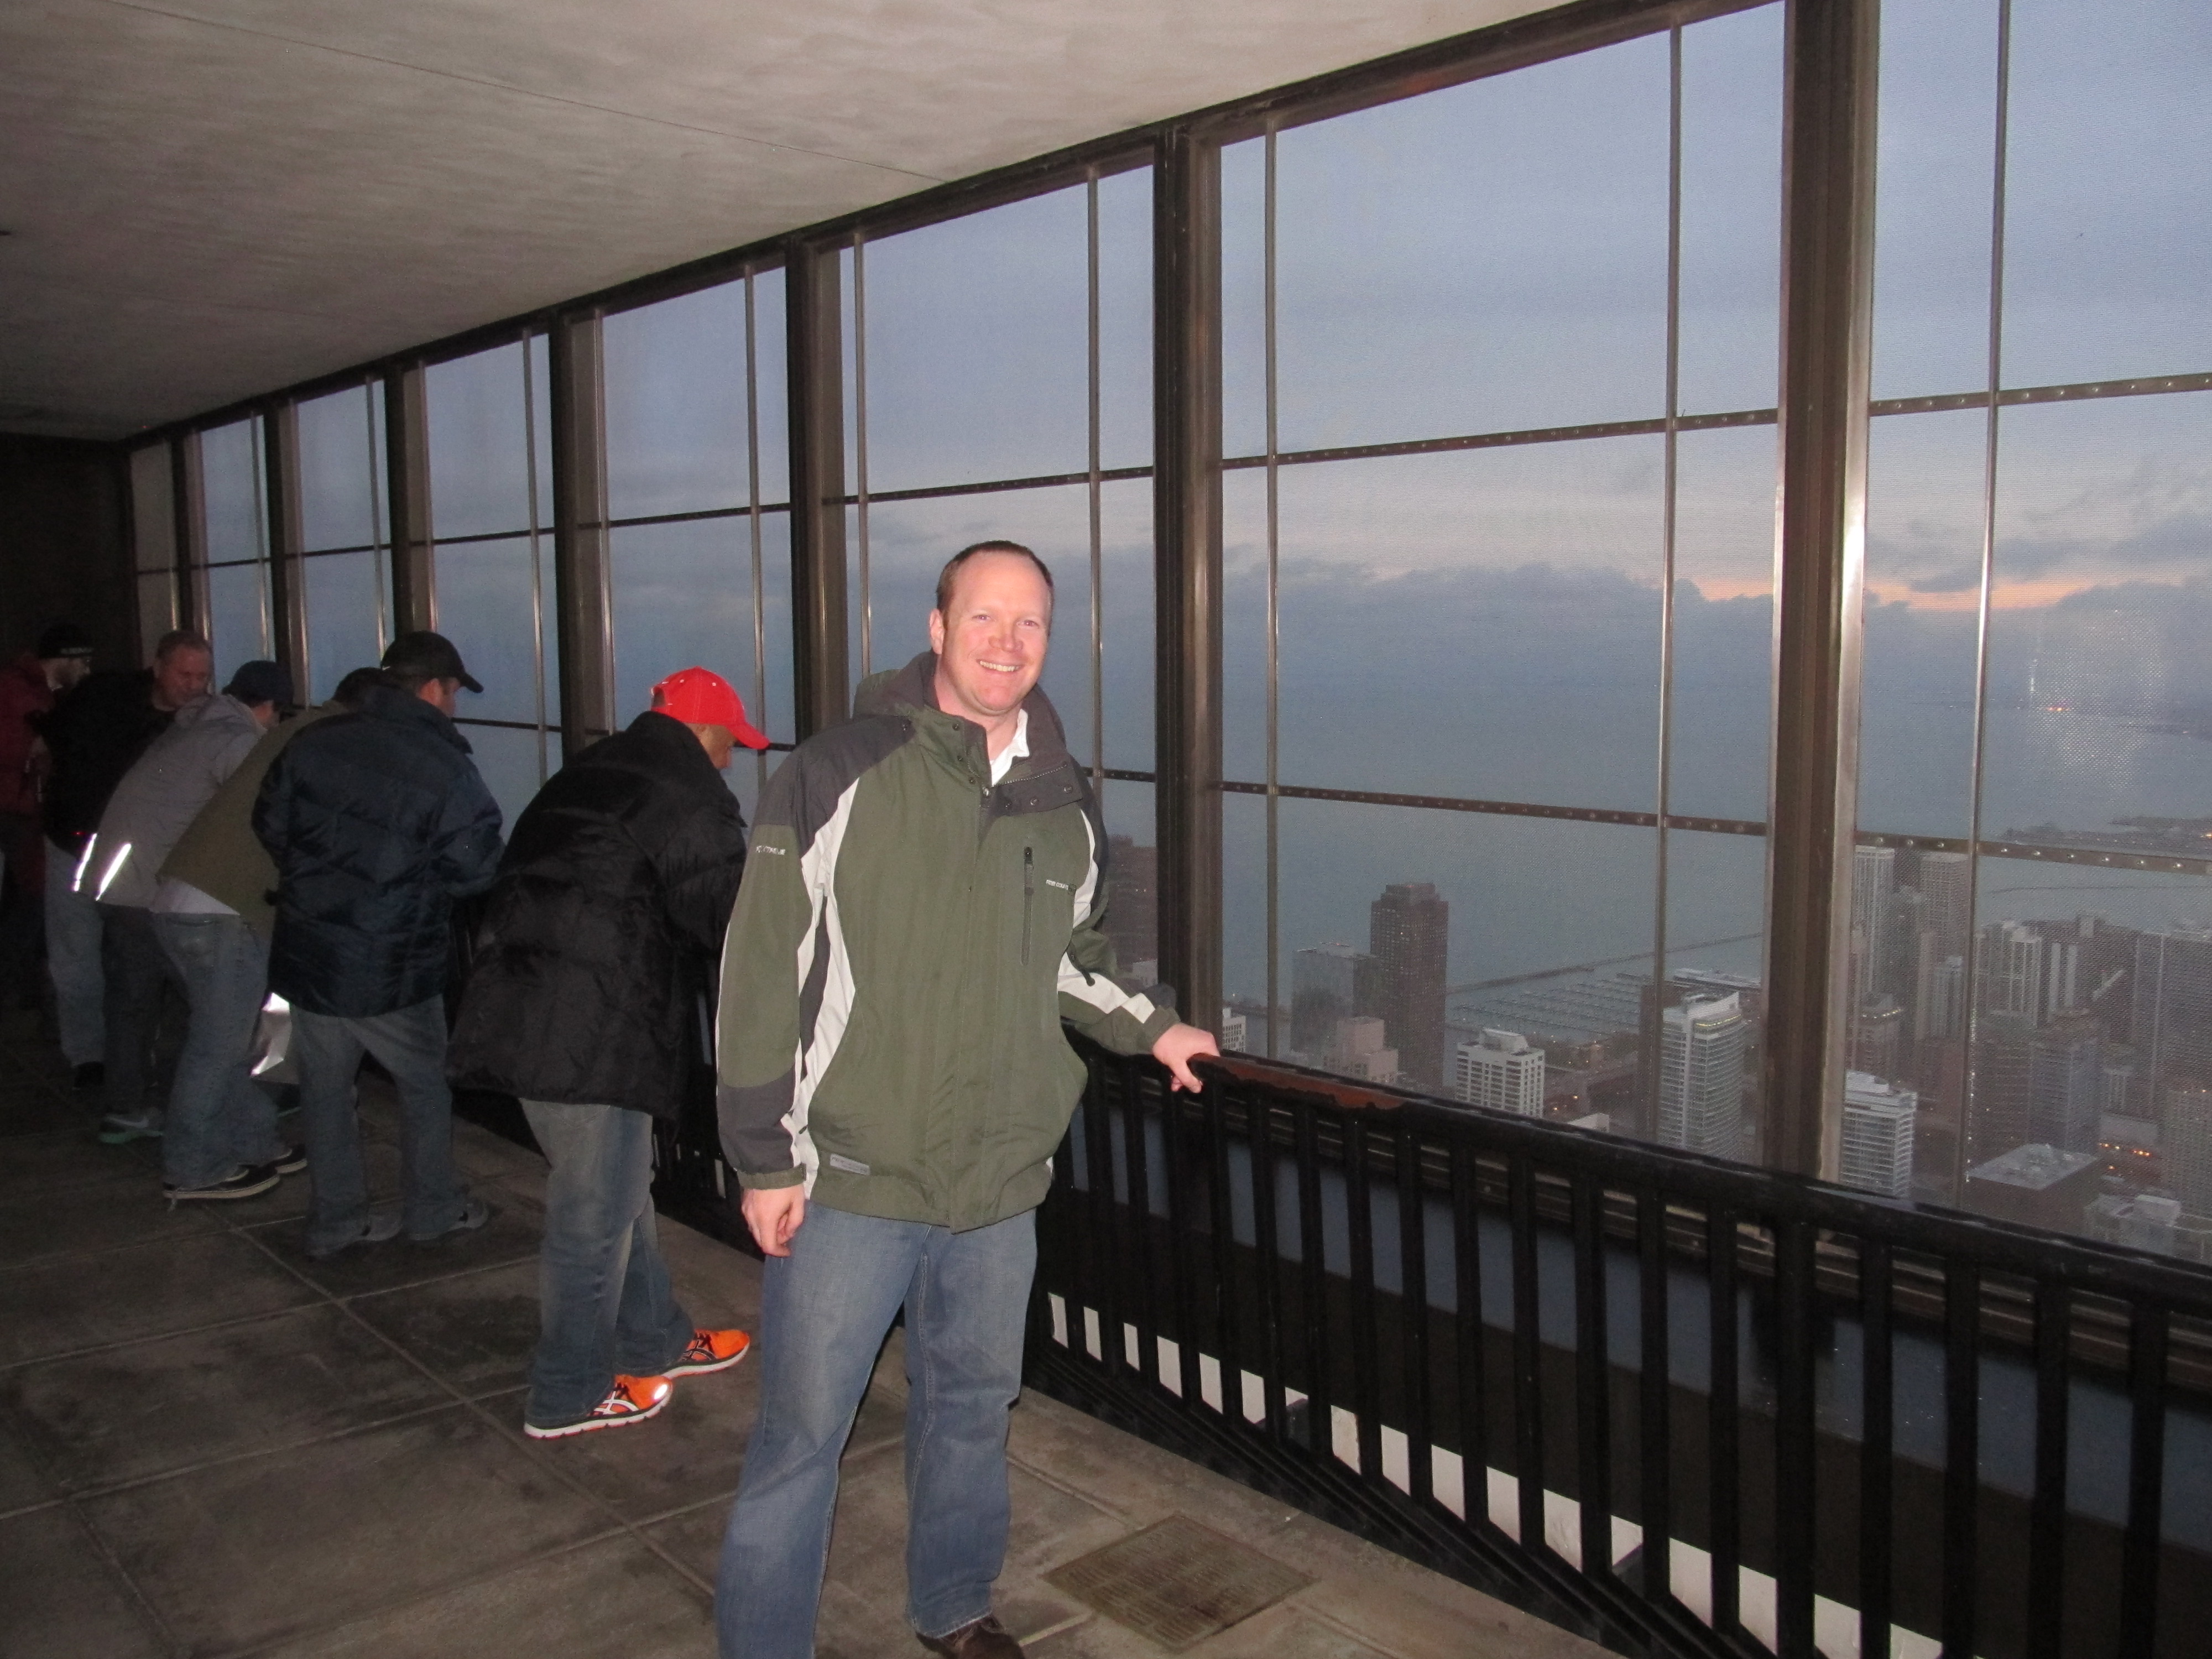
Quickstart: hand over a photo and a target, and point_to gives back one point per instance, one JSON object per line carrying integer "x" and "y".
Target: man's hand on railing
{"x": 1178, "y": 1046}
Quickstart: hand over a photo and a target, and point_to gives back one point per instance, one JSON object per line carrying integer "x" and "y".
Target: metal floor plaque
{"x": 1177, "y": 1583}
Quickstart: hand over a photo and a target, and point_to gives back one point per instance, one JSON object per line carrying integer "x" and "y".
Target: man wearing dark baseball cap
{"x": 597, "y": 953}
{"x": 377, "y": 821}
{"x": 423, "y": 656}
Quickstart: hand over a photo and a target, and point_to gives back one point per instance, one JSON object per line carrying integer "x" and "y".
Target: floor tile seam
{"x": 52, "y": 1257}
{"x": 112, "y": 1564}
{"x": 1321, "y": 1615}
{"x": 29, "y": 1508}
{"x": 90, "y": 1349}
{"x": 251, "y": 1233}
{"x": 1068, "y": 1489}
{"x": 275, "y": 1449}
{"x": 501, "y": 1426}
{"x": 401, "y": 1603}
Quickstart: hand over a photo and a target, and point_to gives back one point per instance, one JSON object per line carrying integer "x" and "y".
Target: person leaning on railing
{"x": 922, "y": 907}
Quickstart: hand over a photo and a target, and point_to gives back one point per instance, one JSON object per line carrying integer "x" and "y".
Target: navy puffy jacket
{"x": 377, "y": 821}
{"x": 605, "y": 926}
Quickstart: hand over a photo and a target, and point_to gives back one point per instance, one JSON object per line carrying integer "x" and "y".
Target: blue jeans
{"x": 825, "y": 1311}
{"x": 411, "y": 1044}
{"x": 73, "y": 960}
{"x": 219, "y": 1116}
{"x": 142, "y": 1010}
{"x": 605, "y": 1301}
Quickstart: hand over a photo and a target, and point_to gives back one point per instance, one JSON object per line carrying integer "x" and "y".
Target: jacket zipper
{"x": 1028, "y": 895}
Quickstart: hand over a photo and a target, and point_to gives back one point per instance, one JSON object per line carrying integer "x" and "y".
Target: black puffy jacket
{"x": 604, "y": 928}
{"x": 96, "y": 733}
{"x": 377, "y": 822}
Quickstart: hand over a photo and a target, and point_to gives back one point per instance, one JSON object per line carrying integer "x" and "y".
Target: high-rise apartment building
{"x": 1133, "y": 918}
{"x": 1702, "y": 1043}
{"x": 1946, "y": 881}
{"x": 2185, "y": 1146}
{"x": 1359, "y": 1048}
{"x": 1873, "y": 883}
{"x": 2173, "y": 1023}
{"x": 1501, "y": 1070}
{"x": 1328, "y": 983}
{"x": 1408, "y": 930}
{"x": 2066, "y": 1083}
{"x": 1879, "y": 1122}
{"x": 2021, "y": 970}
{"x": 2003, "y": 1046}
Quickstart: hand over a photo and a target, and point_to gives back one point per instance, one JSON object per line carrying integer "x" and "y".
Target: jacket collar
{"x": 384, "y": 703}
{"x": 911, "y": 691}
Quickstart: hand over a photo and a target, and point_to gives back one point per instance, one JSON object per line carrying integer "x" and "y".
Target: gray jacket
{"x": 162, "y": 793}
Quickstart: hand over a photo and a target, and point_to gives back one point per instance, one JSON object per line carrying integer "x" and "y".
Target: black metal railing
{"x": 1680, "y": 1406}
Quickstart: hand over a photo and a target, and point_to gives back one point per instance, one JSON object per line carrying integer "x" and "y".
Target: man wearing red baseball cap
{"x": 600, "y": 938}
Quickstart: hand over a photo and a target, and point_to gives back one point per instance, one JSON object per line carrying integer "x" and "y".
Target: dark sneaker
{"x": 474, "y": 1213}
{"x": 712, "y": 1351}
{"x": 240, "y": 1182}
{"x": 985, "y": 1639}
{"x": 90, "y": 1076}
{"x": 291, "y": 1162}
{"x": 632, "y": 1399}
{"x": 119, "y": 1128}
{"x": 381, "y": 1226}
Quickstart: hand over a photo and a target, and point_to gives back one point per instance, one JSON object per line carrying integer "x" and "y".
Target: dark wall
{"x": 65, "y": 545}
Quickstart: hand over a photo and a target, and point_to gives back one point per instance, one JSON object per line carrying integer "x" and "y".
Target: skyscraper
{"x": 2173, "y": 1023}
{"x": 1408, "y": 930}
{"x": 1328, "y": 983}
{"x": 1873, "y": 882}
{"x": 1132, "y": 876}
{"x": 2066, "y": 1083}
{"x": 1998, "y": 1121}
{"x": 1877, "y": 1139}
{"x": 1947, "y": 887}
{"x": 1701, "y": 1054}
{"x": 2186, "y": 1140}
{"x": 1502, "y": 1070}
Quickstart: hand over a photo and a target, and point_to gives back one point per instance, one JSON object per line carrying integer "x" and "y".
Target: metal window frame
{"x": 407, "y": 493}
{"x": 287, "y": 608}
{"x": 584, "y": 613}
{"x": 814, "y": 352}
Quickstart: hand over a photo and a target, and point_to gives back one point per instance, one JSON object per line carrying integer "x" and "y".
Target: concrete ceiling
{"x": 211, "y": 198}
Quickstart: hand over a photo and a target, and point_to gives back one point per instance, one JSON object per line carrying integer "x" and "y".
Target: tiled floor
{"x": 211, "y": 1446}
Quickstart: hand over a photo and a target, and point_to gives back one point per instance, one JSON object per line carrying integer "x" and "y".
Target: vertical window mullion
{"x": 1097, "y": 536}
{"x": 1274, "y": 611}
{"x": 753, "y": 521}
{"x": 1652, "y": 1034}
{"x": 1970, "y": 973}
{"x": 537, "y": 560}
{"x": 860, "y": 442}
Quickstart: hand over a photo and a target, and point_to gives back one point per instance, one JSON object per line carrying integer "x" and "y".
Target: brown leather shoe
{"x": 985, "y": 1639}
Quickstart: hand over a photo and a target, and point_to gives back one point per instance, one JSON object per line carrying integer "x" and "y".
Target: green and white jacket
{"x": 907, "y": 941}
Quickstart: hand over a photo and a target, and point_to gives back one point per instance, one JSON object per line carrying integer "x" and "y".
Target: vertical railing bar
{"x": 1962, "y": 1396}
{"x": 1182, "y": 1240}
{"x": 1877, "y": 1433}
{"x": 1313, "y": 1261}
{"x": 1593, "y": 1383}
{"x": 1140, "y": 1212}
{"x": 1654, "y": 1456}
{"x": 1527, "y": 1355}
{"x": 1359, "y": 1240}
{"x": 1724, "y": 1502}
{"x": 2046, "y": 1522}
{"x": 1472, "y": 1402}
{"x": 1267, "y": 1237}
{"x": 2146, "y": 1344}
{"x": 1795, "y": 1499}
{"x": 1413, "y": 1315}
{"x": 1228, "y": 1333}
{"x": 1108, "y": 1216}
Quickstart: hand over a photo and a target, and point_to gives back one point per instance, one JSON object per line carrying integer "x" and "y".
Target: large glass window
{"x": 235, "y": 572}
{"x": 998, "y": 387}
{"x": 491, "y": 515}
{"x": 698, "y": 474}
{"x": 2029, "y": 948}
{"x": 1499, "y": 394}
{"x": 154, "y": 543}
{"x": 346, "y": 585}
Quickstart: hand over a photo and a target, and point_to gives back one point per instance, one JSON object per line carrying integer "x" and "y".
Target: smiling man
{"x": 923, "y": 907}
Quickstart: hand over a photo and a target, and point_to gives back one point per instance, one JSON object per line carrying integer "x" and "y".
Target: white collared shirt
{"x": 1017, "y": 749}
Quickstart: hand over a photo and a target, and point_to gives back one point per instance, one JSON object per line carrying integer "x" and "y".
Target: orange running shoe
{"x": 712, "y": 1351}
{"x": 632, "y": 1399}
